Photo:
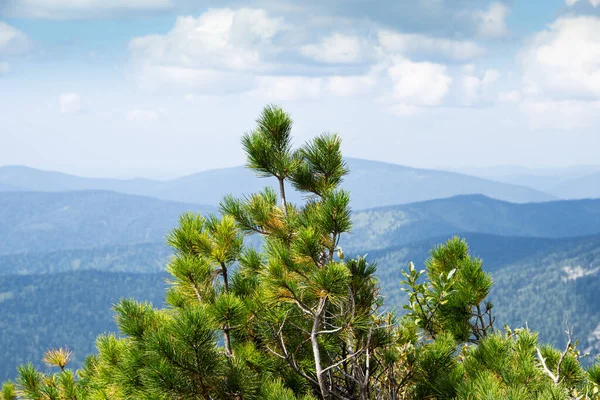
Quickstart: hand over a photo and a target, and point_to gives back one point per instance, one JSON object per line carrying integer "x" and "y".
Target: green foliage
{"x": 9, "y": 392}
{"x": 452, "y": 298}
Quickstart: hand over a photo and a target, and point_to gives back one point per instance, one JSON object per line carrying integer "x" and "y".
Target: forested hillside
{"x": 64, "y": 309}
{"x": 38, "y": 221}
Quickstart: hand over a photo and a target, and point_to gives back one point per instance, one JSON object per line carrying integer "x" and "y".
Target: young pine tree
{"x": 290, "y": 317}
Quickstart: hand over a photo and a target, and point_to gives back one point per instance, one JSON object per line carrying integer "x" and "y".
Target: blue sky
{"x": 162, "y": 88}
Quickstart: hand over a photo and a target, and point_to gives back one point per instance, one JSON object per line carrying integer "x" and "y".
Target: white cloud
{"x": 67, "y": 9}
{"x": 419, "y": 83}
{"x": 492, "y": 22}
{"x": 476, "y": 88}
{"x": 12, "y": 40}
{"x": 4, "y": 68}
{"x": 70, "y": 103}
{"x": 208, "y": 53}
{"x": 143, "y": 115}
{"x": 561, "y": 75}
{"x": 407, "y": 44}
{"x": 337, "y": 49}
{"x": 563, "y": 62}
{"x": 219, "y": 38}
{"x": 225, "y": 51}
{"x": 594, "y": 3}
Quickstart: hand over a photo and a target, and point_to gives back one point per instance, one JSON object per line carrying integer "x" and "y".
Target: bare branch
{"x": 545, "y": 367}
{"x": 330, "y": 331}
{"x": 343, "y": 361}
{"x": 569, "y": 333}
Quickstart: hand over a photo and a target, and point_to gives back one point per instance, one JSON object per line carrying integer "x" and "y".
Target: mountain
{"x": 31, "y": 179}
{"x": 544, "y": 179}
{"x": 40, "y": 221}
{"x": 396, "y": 225}
{"x": 585, "y": 187}
{"x": 47, "y": 221}
{"x": 372, "y": 184}
{"x": 6, "y": 187}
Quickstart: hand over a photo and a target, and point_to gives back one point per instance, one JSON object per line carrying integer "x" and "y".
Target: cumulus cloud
{"x": 475, "y": 88}
{"x": 225, "y": 51}
{"x": 338, "y": 49}
{"x": 419, "y": 83}
{"x": 219, "y": 38}
{"x": 68, "y": 9}
{"x": 563, "y": 62}
{"x": 561, "y": 74}
{"x": 12, "y": 40}
{"x": 491, "y": 23}
{"x": 70, "y": 103}
{"x": 208, "y": 52}
{"x": 407, "y": 44}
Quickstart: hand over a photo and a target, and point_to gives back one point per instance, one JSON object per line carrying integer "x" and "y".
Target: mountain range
{"x": 70, "y": 247}
{"x": 372, "y": 183}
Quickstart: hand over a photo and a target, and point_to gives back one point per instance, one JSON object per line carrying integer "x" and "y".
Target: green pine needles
{"x": 293, "y": 318}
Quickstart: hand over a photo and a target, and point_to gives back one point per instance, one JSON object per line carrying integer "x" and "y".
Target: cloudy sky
{"x": 161, "y": 88}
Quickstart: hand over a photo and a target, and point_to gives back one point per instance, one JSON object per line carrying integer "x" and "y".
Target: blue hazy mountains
{"x": 372, "y": 184}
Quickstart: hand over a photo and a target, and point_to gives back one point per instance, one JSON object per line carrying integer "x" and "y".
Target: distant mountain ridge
{"x": 372, "y": 184}
{"x": 575, "y": 182}
{"x": 396, "y": 225}
{"x": 585, "y": 187}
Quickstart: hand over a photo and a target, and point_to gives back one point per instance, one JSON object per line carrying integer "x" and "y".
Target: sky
{"x": 164, "y": 88}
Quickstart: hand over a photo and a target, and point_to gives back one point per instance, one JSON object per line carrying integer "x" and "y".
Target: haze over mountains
{"x": 372, "y": 183}
{"x": 70, "y": 247}
{"x": 577, "y": 182}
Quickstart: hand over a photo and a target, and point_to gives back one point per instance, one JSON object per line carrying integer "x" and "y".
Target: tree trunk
{"x": 316, "y": 351}
{"x": 226, "y": 328}
{"x": 282, "y": 194}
